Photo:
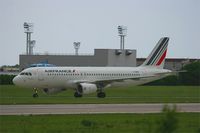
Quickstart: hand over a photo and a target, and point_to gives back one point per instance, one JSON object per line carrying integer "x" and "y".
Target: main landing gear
{"x": 76, "y": 94}
{"x": 101, "y": 94}
{"x": 36, "y": 92}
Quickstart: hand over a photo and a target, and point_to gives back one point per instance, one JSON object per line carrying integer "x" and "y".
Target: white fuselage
{"x": 68, "y": 77}
{"x": 93, "y": 79}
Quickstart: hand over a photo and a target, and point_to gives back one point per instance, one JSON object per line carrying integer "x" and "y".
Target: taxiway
{"x": 92, "y": 108}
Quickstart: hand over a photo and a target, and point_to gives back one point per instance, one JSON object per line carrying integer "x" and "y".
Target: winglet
{"x": 158, "y": 54}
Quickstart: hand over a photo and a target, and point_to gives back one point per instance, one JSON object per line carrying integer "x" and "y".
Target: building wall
{"x": 123, "y": 59}
{"x": 101, "y": 57}
{"x": 173, "y": 64}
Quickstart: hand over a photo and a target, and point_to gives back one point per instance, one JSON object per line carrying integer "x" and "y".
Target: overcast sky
{"x": 58, "y": 23}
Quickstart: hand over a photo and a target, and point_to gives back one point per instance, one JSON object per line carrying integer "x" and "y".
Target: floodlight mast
{"x": 122, "y": 31}
{"x": 76, "y": 47}
{"x": 32, "y": 45}
{"x": 28, "y": 29}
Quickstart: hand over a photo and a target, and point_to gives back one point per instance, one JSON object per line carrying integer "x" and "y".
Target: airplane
{"x": 86, "y": 80}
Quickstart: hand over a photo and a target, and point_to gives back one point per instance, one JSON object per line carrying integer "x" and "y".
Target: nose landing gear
{"x": 36, "y": 92}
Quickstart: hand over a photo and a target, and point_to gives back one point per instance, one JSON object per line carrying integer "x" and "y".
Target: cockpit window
{"x": 22, "y": 73}
{"x": 26, "y": 73}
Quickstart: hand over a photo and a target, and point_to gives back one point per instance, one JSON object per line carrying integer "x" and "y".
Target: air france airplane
{"x": 86, "y": 80}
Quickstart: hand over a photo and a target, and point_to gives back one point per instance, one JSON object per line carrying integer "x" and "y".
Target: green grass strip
{"x": 10, "y": 94}
{"x": 93, "y": 123}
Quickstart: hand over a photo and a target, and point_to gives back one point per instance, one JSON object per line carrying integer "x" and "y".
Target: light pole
{"x": 32, "y": 44}
{"x": 122, "y": 30}
{"x": 28, "y": 29}
{"x": 76, "y": 47}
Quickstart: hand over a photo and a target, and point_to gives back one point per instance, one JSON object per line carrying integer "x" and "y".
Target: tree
{"x": 192, "y": 74}
{"x": 6, "y": 79}
{"x": 168, "y": 123}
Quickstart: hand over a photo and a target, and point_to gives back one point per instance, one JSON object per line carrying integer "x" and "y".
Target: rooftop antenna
{"x": 122, "y": 30}
{"x": 76, "y": 47}
{"x": 28, "y": 29}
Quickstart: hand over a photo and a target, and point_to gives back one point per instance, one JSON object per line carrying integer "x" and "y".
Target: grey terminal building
{"x": 101, "y": 57}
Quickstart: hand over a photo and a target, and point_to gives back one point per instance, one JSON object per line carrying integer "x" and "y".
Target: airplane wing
{"x": 104, "y": 82}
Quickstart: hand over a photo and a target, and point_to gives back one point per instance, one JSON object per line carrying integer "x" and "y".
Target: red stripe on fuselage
{"x": 162, "y": 58}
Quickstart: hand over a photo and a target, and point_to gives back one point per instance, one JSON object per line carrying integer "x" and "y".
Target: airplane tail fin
{"x": 158, "y": 54}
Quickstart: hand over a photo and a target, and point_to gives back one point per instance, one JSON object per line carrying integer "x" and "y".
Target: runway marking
{"x": 92, "y": 108}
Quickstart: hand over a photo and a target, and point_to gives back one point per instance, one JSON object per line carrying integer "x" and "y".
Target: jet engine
{"x": 53, "y": 90}
{"x": 86, "y": 88}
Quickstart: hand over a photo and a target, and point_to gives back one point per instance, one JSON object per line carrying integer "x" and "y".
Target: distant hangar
{"x": 101, "y": 57}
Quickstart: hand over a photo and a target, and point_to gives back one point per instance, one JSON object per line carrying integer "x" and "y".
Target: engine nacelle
{"x": 53, "y": 90}
{"x": 86, "y": 88}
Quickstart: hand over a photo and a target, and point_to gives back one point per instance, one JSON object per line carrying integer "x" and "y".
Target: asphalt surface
{"x": 92, "y": 108}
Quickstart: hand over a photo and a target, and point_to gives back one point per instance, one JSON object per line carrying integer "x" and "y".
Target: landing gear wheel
{"x": 76, "y": 94}
{"x": 101, "y": 94}
{"x": 35, "y": 95}
{"x": 36, "y": 92}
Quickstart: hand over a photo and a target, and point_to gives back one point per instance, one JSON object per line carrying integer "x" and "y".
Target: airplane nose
{"x": 16, "y": 80}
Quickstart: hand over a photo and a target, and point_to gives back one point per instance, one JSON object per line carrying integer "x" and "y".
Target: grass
{"x": 10, "y": 94}
{"x": 106, "y": 123}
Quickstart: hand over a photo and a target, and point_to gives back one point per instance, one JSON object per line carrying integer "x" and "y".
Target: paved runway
{"x": 92, "y": 108}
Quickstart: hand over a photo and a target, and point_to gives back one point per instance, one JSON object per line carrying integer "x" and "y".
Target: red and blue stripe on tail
{"x": 158, "y": 54}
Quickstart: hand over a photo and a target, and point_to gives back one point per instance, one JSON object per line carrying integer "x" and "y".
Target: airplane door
{"x": 40, "y": 75}
{"x": 41, "y": 78}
